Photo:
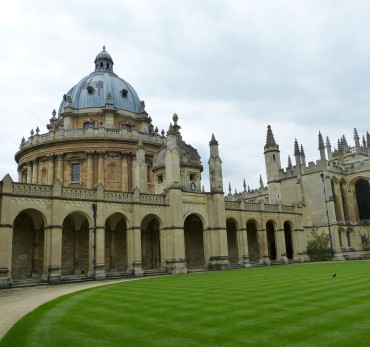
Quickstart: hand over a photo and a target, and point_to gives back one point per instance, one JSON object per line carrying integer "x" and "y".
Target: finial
{"x": 289, "y": 163}
{"x": 32, "y": 132}
{"x": 175, "y": 118}
{"x": 103, "y": 47}
{"x": 270, "y": 141}
{"x": 321, "y": 141}
{"x": 302, "y": 151}
{"x": 54, "y": 113}
{"x": 162, "y": 133}
{"x": 213, "y": 140}
{"x": 328, "y": 142}
{"x": 37, "y": 130}
{"x": 229, "y": 188}
{"x": 244, "y": 185}
{"x": 355, "y": 134}
{"x": 296, "y": 148}
{"x": 261, "y": 182}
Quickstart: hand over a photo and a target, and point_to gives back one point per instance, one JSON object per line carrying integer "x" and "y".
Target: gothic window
{"x": 363, "y": 199}
{"x": 112, "y": 172}
{"x": 160, "y": 179}
{"x": 75, "y": 172}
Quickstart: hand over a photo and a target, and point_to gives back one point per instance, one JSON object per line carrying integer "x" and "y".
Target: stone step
{"x": 27, "y": 282}
{"x": 154, "y": 272}
{"x": 76, "y": 278}
{"x": 117, "y": 275}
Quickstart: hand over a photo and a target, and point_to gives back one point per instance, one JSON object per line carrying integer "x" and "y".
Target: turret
{"x": 273, "y": 166}
{"x": 172, "y": 159}
{"x": 303, "y": 157}
{"x": 297, "y": 154}
{"x": 215, "y": 167}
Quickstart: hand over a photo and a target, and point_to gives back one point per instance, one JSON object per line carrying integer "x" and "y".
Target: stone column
{"x": 55, "y": 260}
{"x": 243, "y": 247}
{"x": 29, "y": 172}
{"x": 6, "y": 242}
{"x": 134, "y": 251}
{"x": 280, "y": 246}
{"x": 60, "y": 166}
{"x": 101, "y": 168}
{"x": 262, "y": 244}
{"x": 35, "y": 171}
{"x": 51, "y": 170}
{"x": 337, "y": 252}
{"x": 90, "y": 172}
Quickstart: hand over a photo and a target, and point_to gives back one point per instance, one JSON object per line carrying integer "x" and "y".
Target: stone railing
{"x": 288, "y": 209}
{"x": 31, "y": 189}
{"x": 118, "y": 196}
{"x": 78, "y": 193}
{"x": 232, "y": 205}
{"x": 252, "y": 206}
{"x": 151, "y": 199}
{"x": 91, "y": 132}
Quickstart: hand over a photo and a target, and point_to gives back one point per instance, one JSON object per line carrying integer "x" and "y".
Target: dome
{"x": 94, "y": 89}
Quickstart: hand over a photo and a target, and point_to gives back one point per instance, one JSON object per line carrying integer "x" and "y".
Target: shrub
{"x": 318, "y": 247}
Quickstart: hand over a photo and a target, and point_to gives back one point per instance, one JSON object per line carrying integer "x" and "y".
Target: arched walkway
{"x": 271, "y": 243}
{"x": 115, "y": 243}
{"x": 75, "y": 245}
{"x": 194, "y": 243}
{"x": 232, "y": 243}
{"x": 28, "y": 244}
{"x": 150, "y": 243}
{"x": 252, "y": 237}
{"x": 288, "y": 240}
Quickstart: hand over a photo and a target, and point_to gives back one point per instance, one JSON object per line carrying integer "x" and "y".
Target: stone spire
{"x": 270, "y": 140}
{"x": 290, "y": 166}
{"x": 215, "y": 167}
{"x": 357, "y": 140}
{"x": 229, "y": 188}
{"x": 328, "y": 148}
{"x": 261, "y": 183}
{"x": 244, "y": 185}
{"x": 322, "y": 148}
{"x": 303, "y": 156}
{"x": 363, "y": 141}
{"x": 297, "y": 154}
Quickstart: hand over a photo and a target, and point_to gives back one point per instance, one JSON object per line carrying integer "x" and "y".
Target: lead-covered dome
{"x": 93, "y": 90}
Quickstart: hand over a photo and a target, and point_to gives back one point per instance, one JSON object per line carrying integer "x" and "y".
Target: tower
{"x": 273, "y": 166}
{"x": 215, "y": 167}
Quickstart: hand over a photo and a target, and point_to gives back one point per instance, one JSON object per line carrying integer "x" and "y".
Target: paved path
{"x": 17, "y": 302}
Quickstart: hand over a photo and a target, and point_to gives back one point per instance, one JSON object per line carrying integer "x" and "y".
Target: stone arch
{"x": 342, "y": 238}
{"x": 76, "y": 249}
{"x": 362, "y": 189}
{"x": 194, "y": 241}
{"x": 350, "y": 234}
{"x": 115, "y": 252}
{"x": 28, "y": 244}
{"x": 232, "y": 240}
{"x": 252, "y": 238}
{"x": 271, "y": 240}
{"x": 151, "y": 242}
{"x": 288, "y": 237}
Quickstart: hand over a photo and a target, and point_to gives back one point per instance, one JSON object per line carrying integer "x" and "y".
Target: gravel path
{"x": 17, "y": 302}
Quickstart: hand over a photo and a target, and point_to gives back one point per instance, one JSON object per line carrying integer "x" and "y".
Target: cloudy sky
{"x": 225, "y": 67}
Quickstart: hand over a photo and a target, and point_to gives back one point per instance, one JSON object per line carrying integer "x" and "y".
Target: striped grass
{"x": 295, "y": 305}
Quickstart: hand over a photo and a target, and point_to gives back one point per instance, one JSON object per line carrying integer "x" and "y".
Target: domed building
{"x": 102, "y": 195}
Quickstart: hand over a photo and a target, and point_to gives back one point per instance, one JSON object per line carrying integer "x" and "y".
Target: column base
{"x": 337, "y": 256}
{"x": 176, "y": 266}
{"x": 99, "y": 273}
{"x": 266, "y": 260}
{"x": 5, "y": 279}
{"x": 136, "y": 270}
{"x": 55, "y": 274}
{"x": 245, "y": 262}
{"x": 218, "y": 263}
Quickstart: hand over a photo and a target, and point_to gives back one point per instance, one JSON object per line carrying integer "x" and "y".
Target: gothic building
{"x": 103, "y": 194}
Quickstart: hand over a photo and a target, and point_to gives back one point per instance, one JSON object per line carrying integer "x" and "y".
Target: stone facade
{"x": 103, "y": 192}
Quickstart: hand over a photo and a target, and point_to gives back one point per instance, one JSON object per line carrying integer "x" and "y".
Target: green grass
{"x": 295, "y": 305}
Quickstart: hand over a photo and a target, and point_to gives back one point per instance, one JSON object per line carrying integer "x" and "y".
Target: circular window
{"x": 124, "y": 93}
{"x": 90, "y": 90}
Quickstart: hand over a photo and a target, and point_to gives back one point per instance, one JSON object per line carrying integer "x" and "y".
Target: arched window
{"x": 363, "y": 199}
{"x": 338, "y": 214}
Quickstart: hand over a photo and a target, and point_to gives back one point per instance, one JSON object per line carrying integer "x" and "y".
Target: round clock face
{"x": 192, "y": 186}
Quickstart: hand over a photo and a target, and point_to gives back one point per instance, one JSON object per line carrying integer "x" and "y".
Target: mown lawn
{"x": 294, "y": 305}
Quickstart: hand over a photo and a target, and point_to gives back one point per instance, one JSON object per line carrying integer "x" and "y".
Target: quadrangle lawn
{"x": 293, "y": 305}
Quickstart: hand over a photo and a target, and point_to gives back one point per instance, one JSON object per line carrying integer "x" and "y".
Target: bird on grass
{"x": 335, "y": 274}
